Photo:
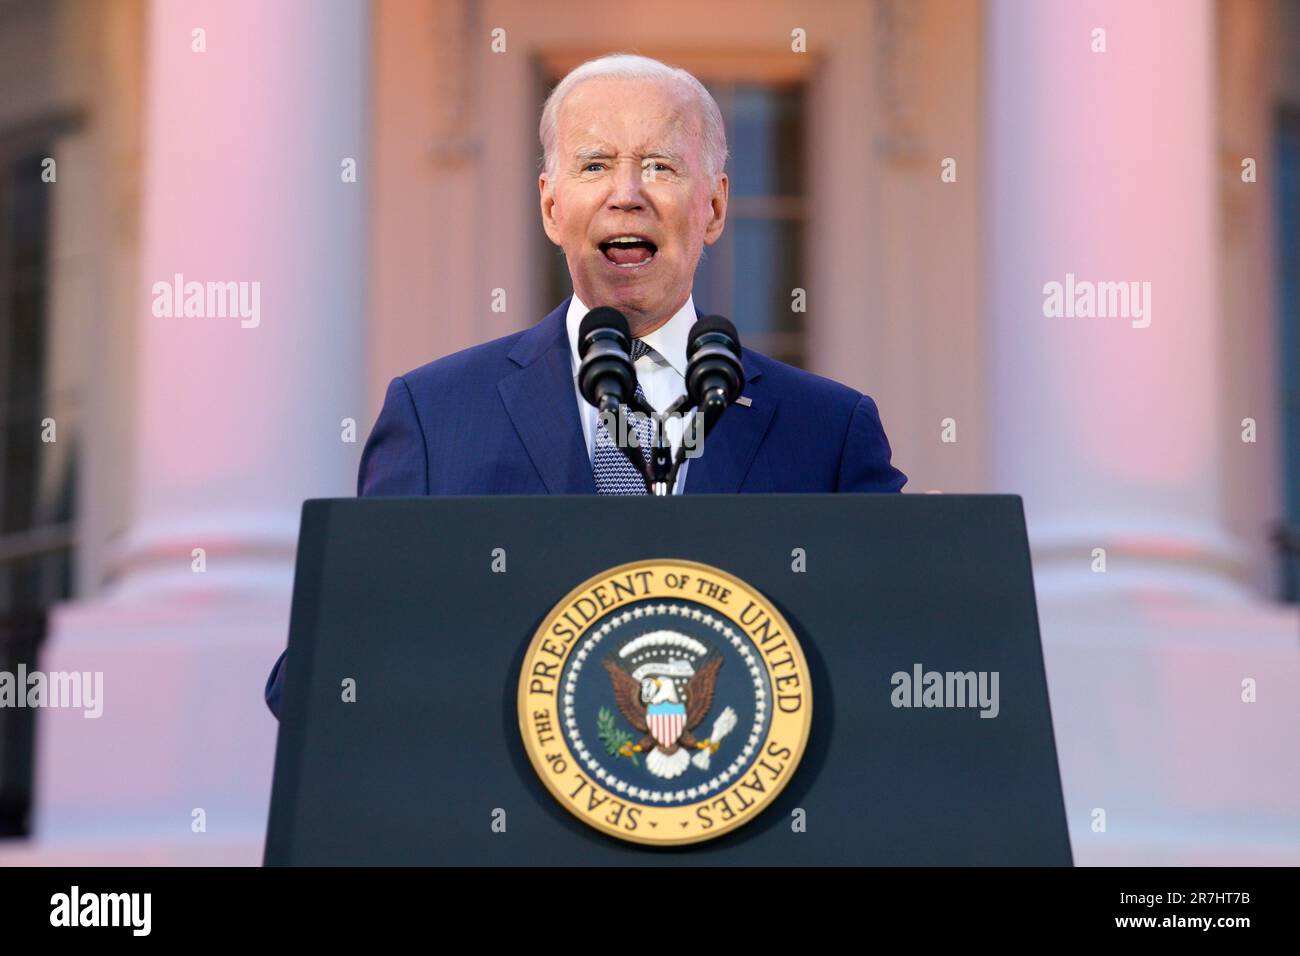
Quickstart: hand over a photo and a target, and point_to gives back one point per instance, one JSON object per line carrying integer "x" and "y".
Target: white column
{"x": 237, "y": 420}
{"x": 1102, "y": 165}
{"x": 243, "y": 182}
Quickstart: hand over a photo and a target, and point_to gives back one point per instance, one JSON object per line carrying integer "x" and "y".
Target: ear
{"x": 718, "y": 204}
{"x": 547, "y": 198}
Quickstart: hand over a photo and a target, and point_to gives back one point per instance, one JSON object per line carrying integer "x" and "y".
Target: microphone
{"x": 714, "y": 375}
{"x": 606, "y": 376}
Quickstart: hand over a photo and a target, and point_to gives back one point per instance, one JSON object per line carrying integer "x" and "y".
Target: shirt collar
{"x": 669, "y": 340}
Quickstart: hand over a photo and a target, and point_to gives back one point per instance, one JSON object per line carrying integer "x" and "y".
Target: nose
{"x": 625, "y": 193}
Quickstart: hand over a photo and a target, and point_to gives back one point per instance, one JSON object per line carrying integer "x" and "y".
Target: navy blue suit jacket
{"x": 502, "y": 418}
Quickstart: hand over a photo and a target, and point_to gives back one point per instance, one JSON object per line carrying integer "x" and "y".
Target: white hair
{"x": 629, "y": 66}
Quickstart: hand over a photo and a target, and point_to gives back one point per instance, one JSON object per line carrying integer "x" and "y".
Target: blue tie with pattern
{"x": 614, "y": 474}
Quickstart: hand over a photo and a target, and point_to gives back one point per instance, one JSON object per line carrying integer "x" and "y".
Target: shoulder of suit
{"x": 787, "y": 380}
{"x": 488, "y": 362}
{"x": 483, "y": 363}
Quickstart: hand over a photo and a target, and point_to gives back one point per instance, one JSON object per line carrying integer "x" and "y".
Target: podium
{"x": 929, "y": 740}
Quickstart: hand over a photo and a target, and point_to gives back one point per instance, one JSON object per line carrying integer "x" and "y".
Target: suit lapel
{"x": 730, "y": 448}
{"x": 542, "y": 404}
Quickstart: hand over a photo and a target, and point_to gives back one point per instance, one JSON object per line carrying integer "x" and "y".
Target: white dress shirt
{"x": 660, "y": 373}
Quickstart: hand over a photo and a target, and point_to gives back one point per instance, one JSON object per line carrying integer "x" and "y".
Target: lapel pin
{"x": 743, "y": 400}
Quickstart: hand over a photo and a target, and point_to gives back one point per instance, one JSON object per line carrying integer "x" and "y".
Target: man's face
{"x": 629, "y": 163}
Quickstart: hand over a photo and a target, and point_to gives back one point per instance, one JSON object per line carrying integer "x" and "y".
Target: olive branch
{"x": 611, "y": 735}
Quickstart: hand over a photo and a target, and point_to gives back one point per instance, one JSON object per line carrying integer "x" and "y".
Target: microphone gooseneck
{"x": 715, "y": 377}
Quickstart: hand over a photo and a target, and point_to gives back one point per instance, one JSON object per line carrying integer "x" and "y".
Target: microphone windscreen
{"x": 602, "y": 317}
{"x": 707, "y": 325}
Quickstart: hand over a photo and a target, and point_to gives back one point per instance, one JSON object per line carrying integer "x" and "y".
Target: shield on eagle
{"x": 666, "y": 722}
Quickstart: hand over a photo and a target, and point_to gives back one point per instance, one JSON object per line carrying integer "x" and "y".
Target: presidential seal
{"x": 664, "y": 702}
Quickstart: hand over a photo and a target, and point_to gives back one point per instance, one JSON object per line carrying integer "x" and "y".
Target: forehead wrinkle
{"x": 641, "y": 152}
{"x": 674, "y": 121}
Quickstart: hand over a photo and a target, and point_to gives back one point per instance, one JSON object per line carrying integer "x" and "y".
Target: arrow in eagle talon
{"x": 721, "y": 727}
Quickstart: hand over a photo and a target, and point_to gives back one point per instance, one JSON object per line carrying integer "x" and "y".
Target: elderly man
{"x": 632, "y": 190}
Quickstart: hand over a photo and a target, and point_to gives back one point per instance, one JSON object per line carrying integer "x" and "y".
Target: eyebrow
{"x": 602, "y": 152}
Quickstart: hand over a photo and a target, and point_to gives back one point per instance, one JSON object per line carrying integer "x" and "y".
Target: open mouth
{"x": 629, "y": 252}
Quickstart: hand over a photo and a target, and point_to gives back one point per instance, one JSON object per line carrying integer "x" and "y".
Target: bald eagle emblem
{"x": 663, "y": 684}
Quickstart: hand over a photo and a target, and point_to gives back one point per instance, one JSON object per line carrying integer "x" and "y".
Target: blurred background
{"x": 919, "y": 168}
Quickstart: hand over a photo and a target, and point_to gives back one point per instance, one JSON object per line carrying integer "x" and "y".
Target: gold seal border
{"x": 538, "y": 761}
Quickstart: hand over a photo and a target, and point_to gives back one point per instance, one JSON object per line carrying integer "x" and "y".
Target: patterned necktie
{"x": 614, "y": 474}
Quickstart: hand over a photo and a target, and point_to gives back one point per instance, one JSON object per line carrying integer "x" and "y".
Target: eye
{"x": 589, "y": 165}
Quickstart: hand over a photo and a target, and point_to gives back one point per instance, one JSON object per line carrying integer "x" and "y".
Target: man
{"x": 633, "y": 188}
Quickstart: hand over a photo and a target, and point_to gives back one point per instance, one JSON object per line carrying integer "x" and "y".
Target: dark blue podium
{"x": 424, "y": 765}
